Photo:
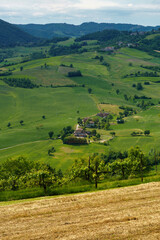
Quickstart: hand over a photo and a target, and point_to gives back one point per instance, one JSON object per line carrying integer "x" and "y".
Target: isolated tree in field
{"x": 21, "y": 122}
{"x": 9, "y": 124}
{"x": 101, "y": 58}
{"x": 113, "y": 134}
{"x": 21, "y": 68}
{"x": 139, "y": 86}
{"x": 44, "y": 117}
{"x": 89, "y": 90}
{"x": 117, "y": 91}
{"x": 147, "y": 132}
{"x": 51, "y": 151}
{"x": 51, "y": 133}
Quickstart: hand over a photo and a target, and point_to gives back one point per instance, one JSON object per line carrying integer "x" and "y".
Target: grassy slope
{"x": 60, "y": 105}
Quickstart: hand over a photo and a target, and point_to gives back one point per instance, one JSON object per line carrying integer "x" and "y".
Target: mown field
{"x": 126, "y": 213}
{"x": 60, "y": 104}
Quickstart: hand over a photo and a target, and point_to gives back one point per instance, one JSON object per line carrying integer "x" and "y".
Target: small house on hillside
{"x": 103, "y": 114}
{"x": 80, "y": 133}
{"x": 108, "y": 49}
{"x": 90, "y": 124}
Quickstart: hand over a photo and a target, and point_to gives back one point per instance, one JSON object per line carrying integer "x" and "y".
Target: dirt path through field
{"x": 125, "y": 213}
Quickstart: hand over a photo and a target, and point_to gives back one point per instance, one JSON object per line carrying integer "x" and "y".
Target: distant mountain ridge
{"x": 11, "y": 35}
{"x": 70, "y": 30}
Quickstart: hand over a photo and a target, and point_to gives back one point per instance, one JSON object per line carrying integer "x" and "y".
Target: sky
{"x": 144, "y": 12}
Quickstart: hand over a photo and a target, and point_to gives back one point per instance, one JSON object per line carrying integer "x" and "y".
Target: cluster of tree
{"x": 19, "y": 82}
{"x": 138, "y": 86}
{"x": 64, "y": 65}
{"x": 153, "y": 68}
{"x": 98, "y": 167}
{"x": 58, "y": 50}
{"x": 71, "y": 140}
{"x": 144, "y": 105}
{"x": 150, "y": 45}
{"x": 112, "y": 37}
{"x": 127, "y": 111}
{"x": 6, "y": 73}
{"x": 140, "y": 133}
{"x": 146, "y": 83}
{"x": 37, "y": 55}
{"x": 140, "y": 97}
{"x": 66, "y": 132}
{"x": 99, "y": 58}
{"x": 142, "y": 74}
{"x": 68, "y": 85}
{"x": 21, "y": 173}
{"x": 74, "y": 74}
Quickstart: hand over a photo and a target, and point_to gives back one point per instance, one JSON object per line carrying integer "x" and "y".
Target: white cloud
{"x": 44, "y": 11}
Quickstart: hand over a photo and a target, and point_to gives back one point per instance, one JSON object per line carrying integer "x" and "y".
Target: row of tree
{"x": 21, "y": 173}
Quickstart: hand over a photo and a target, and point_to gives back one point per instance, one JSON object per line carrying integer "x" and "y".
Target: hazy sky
{"x": 145, "y": 12}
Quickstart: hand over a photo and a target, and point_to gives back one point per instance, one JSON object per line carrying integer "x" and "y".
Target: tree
{"x": 9, "y": 124}
{"x": 51, "y": 151}
{"x": 101, "y": 58}
{"x": 50, "y": 134}
{"x": 89, "y": 90}
{"x": 121, "y": 167}
{"x": 138, "y": 161}
{"x": 21, "y": 122}
{"x": 21, "y": 68}
{"x": 113, "y": 134}
{"x": 96, "y": 167}
{"x": 79, "y": 121}
{"x": 91, "y": 169}
{"x": 107, "y": 125}
{"x": 139, "y": 86}
{"x": 44, "y": 117}
{"x": 117, "y": 91}
{"x": 147, "y": 132}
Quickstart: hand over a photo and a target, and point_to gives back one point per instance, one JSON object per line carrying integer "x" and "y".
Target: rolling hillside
{"x": 62, "y": 29}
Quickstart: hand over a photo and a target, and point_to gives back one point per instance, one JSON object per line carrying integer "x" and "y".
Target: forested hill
{"x": 10, "y": 35}
{"x": 113, "y": 36}
{"x": 62, "y": 29}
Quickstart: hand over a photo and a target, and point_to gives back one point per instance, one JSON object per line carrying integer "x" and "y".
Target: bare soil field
{"x": 126, "y": 213}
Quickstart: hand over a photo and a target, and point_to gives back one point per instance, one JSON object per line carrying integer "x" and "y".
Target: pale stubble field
{"x": 124, "y": 213}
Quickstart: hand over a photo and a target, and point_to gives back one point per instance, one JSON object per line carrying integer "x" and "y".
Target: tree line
{"x": 20, "y": 173}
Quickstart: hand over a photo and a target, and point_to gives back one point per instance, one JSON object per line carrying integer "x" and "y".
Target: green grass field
{"x": 60, "y": 105}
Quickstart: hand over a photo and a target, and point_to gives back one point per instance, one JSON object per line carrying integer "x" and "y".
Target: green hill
{"x": 62, "y": 103}
{"x": 62, "y": 29}
{"x": 10, "y": 35}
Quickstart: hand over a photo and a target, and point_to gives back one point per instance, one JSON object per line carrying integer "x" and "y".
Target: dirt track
{"x": 126, "y": 213}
